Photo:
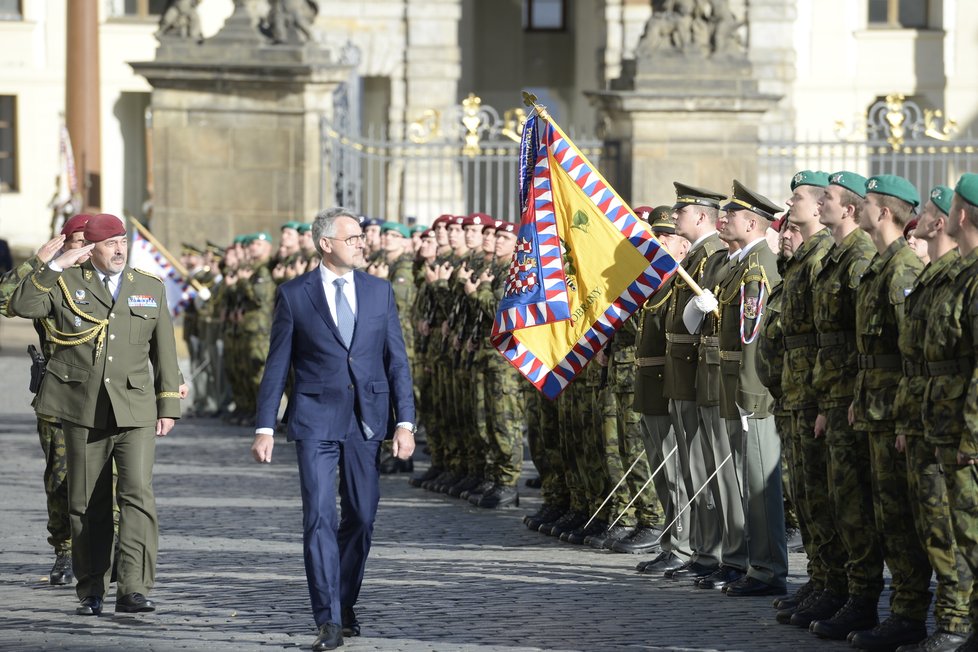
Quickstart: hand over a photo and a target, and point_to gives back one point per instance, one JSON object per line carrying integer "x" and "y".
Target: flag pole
{"x": 177, "y": 265}
{"x": 530, "y": 100}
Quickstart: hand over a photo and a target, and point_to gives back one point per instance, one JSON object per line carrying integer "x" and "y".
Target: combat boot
{"x": 821, "y": 608}
{"x": 795, "y": 598}
{"x": 578, "y": 535}
{"x": 61, "y": 572}
{"x": 432, "y": 473}
{"x": 784, "y": 615}
{"x": 890, "y": 634}
{"x": 546, "y": 514}
{"x": 500, "y": 496}
{"x": 474, "y": 495}
{"x": 569, "y": 521}
{"x": 465, "y": 484}
{"x": 644, "y": 539}
{"x": 609, "y": 536}
{"x": 939, "y": 641}
{"x": 855, "y": 615}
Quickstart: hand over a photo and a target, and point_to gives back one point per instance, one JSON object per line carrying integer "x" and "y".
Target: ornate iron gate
{"x": 462, "y": 160}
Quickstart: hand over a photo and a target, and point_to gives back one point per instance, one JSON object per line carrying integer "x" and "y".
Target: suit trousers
{"x": 660, "y": 440}
{"x": 335, "y": 547}
{"x": 90, "y": 453}
{"x": 726, "y": 444}
{"x": 697, "y": 465}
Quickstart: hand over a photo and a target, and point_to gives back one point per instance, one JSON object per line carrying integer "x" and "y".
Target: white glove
{"x": 698, "y": 308}
{"x": 706, "y": 302}
{"x": 744, "y": 415}
{"x": 204, "y": 294}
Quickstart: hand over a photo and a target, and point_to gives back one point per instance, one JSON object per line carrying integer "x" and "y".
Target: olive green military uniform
{"x": 823, "y": 543}
{"x": 209, "y": 383}
{"x": 680, "y": 387}
{"x": 99, "y": 383}
{"x": 257, "y": 301}
{"x": 745, "y": 401}
{"x": 658, "y": 434}
{"x": 833, "y": 377}
{"x": 880, "y": 301}
{"x": 925, "y": 480}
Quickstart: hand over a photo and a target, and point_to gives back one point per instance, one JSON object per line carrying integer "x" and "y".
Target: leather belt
{"x": 885, "y": 362}
{"x": 837, "y": 338}
{"x": 800, "y": 341}
{"x": 949, "y": 367}
{"x": 656, "y": 361}
{"x": 710, "y": 340}
{"x": 732, "y": 356}
{"x": 679, "y": 338}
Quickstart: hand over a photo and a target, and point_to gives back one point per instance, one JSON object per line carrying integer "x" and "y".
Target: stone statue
{"x": 693, "y": 28}
{"x": 290, "y": 21}
{"x": 180, "y": 20}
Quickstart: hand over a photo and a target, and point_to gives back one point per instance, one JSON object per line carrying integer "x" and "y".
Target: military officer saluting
{"x": 109, "y": 322}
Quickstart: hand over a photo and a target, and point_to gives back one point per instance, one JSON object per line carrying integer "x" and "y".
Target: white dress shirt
{"x": 114, "y": 282}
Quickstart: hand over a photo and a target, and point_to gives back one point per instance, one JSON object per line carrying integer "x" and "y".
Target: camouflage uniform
{"x": 823, "y": 543}
{"x": 257, "y": 296}
{"x": 928, "y": 492}
{"x": 543, "y": 435}
{"x": 833, "y": 378}
{"x": 879, "y": 318}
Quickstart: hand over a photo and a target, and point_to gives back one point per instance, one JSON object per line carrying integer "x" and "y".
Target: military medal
{"x": 79, "y": 295}
{"x": 142, "y": 301}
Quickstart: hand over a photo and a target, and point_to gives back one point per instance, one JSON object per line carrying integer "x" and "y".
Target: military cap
{"x": 371, "y": 221}
{"x": 262, "y": 235}
{"x": 215, "y": 248}
{"x": 661, "y": 214}
{"x": 507, "y": 227}
{"x": 663, "y": 225}
{"x": 457, "y": 219}
{"x": 396, "y": 226}
{"x": 691, "y": 195}
{"x": 75, "y": 224}
{"x": 428, "y": 232}
{"x": 911, "y": 225}
{"x": 643, "y": 212}
{"x": 303, "y": 228}
{"x": 442, "y": 219}
{"x": 477, "y": 219}
{"x": 291, "y": 225}
{"x": 778, "y": 224}
{"x": 743, "y": 198}
{"x": 810, "y": 178}
{"x": 850, "y": 181}
{"x": 895, "y": 186}
{"x": 192, "y": 249}
{"x": 104, "y": 226}
{"x": 967, "y": 188}
{"x": 941, "y": 196}
{"x": 418, "y": 228}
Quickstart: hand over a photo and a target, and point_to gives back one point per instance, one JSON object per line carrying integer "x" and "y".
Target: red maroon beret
{"x": 507, "y": 227}
{"x": 442, "y": 219}
{"x": 104, "y": 226}
{"x": 75, "y": 224}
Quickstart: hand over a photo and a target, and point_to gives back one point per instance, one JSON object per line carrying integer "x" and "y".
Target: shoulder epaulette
{"x": 149, "y": 274}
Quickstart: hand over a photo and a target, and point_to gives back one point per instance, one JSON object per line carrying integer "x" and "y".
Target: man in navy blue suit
{"x": 337, "y": 328}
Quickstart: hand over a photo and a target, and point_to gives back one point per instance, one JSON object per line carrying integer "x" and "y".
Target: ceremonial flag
{"x": 583, "y": 263}
{"x": 67, "y": 198}
{"x": 153, "y": 258}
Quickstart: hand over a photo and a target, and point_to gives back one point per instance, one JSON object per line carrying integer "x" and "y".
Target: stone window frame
{"x": 12, "y": 10}
{"x": 529, "y": 26}
{"x": 893, "y": 19}
{"x": 8, "y": 144}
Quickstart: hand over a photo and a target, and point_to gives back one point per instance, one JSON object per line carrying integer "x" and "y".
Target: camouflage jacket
{"x": 770, "y": 347}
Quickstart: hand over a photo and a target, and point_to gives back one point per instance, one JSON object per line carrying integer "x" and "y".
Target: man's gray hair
{"x": 325, "y": 223}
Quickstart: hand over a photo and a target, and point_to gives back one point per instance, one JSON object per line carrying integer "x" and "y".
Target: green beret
{"x": 262, "y": 235}
{"x": 810, "y": 178}
{"x": 941, "y": 196}
{"x": 850, "y": 181}
{"x": 396, "y": 226}
{"x": 891, "y": 184}
{"x": 303, "y": 228}
{"x": 240, "y": 239}
{"x": 291, "y": 225}
{"x": 967, "y": 188}
{"x": 418, "y": 228}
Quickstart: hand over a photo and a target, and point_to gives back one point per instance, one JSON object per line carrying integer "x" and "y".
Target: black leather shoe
{"x": 133, "y": 603}
{"x": 855, "y": 615}
{"x": 330, "y": 637}
{"x": 690, "y": 571}
{"x": 351, "y": 626}
{"x": 666, "y": 561}
{"x": 749, "y": 587}
{"x": 90, "y": 606}
{"x": 821, "y": 608}
{"x": 795, "y": 598}
{"x": 890, "y": 634}
{"x": 61, "y": 573}
{"x": 500, "y": 496}
{"x": 642, "y": 541}
{"x": 939, "y": 641}
{"x": 720, "y": 578}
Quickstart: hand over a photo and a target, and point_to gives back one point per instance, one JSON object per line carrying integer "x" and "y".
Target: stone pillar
{"x": 690, "y": 111}
{"x": 82, "y": 106}
{"x": 236, "y": 133}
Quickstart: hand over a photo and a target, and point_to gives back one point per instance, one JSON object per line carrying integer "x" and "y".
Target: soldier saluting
{"x": 109, "y": 321}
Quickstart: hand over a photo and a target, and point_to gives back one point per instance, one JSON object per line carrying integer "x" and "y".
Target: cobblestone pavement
{"x": 442, "y": 575}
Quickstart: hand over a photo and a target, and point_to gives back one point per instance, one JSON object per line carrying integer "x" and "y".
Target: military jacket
{"x": 708, "y": 353}
{"x": 918, "y": 308}
{"x": 401, "y": 277}
{"x": 950, "y": 404}
{"x": 834, "y": 299}
{"x": 650, "y": 353}
{"x": 256, "y": 297}
{"x": 770, "y": 347}
{"x": 743, "y": 297}
{"x": 880, "y": 300}
{"x": 104, "y": 347}
{"x": 681, "y": 346}
{"x": 798, "y": 322}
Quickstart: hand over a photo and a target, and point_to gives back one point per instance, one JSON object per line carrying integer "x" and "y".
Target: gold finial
{"x": 530, "y": 100}
{"x": 471, "y": 120}
{"x": 895, "y": 118}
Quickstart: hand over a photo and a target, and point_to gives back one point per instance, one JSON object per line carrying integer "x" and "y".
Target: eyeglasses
{"x": 352, "y": 241}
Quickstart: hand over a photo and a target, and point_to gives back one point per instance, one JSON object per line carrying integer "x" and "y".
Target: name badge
{"x": 142, "y": 301}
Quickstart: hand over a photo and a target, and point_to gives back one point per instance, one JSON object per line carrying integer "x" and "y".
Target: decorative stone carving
{"x": 702, "y": 28}
{"x": 180, "y": 21}
{"x": 290, "y": 21}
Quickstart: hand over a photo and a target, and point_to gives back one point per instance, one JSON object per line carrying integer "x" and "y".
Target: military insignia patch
{"x": 750, "y": 307}
{"x": 77, "y": 321}
{"x": 87, "y": 274}
{"x": 142, "y": 301}
{"x": 79, "y": 295}
{"x": 798, "y": 177}
{"x": 871, "y": 185}
{"x": 129, "y": 276}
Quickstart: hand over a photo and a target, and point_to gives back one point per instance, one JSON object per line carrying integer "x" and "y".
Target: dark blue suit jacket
{"x": 335, "y": 385}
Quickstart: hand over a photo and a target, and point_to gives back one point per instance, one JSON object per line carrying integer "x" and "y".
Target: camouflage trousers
{"x": 505, "y": 419}
{"x": 962, "y": 496}
{"x": 543, "y": 436}
{"x": 932, "y": 517}
{"x": 474, "y": 432}
{"x": 256, "y": 348}
{"x": 433, "y": 406}
{"x": 631, "y": 447}
{"x": 902, "y": 551}
{"x": 782, "y": 424}
{"x": 55, "y": 483}
{"x": 580, "y": 441}
{"x": 826, "y": 552}
{"x": 851, "y": 491}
